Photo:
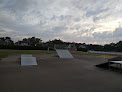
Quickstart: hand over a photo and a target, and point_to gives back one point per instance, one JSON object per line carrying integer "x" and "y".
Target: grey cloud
{"x": 62, "y": 17}
{"x": 118, "y": 32}
{"x": 102, "y": 35}
{"x": 16, "y": 5}
{"x": 77, "y": 19}
{"x": 84, "y": 31}
{"x": 115, "y": 34}
{"x": 51, "y": 18}
{"x": 59, "y": 28}
{"x": 96, "y": 12}
{"x": 95, "y": 18}
{"x": 22, "y": 5}
{"x": 2, "y": 30}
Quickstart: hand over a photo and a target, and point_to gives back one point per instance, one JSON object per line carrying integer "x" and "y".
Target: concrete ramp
{"x": 27, "y": 60}
{"x": 64, "y": 53}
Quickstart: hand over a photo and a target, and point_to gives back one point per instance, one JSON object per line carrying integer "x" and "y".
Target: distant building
{"x": 22, "y": 43}
{"x": 72, "y": 47}
{"x": 60, "y": 46}
{"x": 82, "y": 46}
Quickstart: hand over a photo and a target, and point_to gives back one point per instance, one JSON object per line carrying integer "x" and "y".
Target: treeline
{"x": 34, "y": 43}
{"x": 115, "y": 47}
{"x": 18, "y": 47}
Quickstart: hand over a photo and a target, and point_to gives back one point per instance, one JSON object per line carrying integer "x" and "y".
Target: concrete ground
{"x": 53, "y": 74}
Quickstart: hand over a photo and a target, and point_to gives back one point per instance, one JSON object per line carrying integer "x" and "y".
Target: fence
{"x": 102, "y": 52}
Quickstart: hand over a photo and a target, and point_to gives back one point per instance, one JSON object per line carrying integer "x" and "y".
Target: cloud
{"x": 87, "y": 21}
{"x": 114, "y": 36}
{"x": 1, "y": 31}
{"x": 108, "y": 34}
{"x": 103, "y": 35}
{"x": 59, "y": 28}
{"x": 118, "y": 32}
{"x": 96, "y": 12}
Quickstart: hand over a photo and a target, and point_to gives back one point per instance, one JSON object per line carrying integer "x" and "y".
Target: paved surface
{"x": 26, "y": 55}
{"x": 53, "y": 74}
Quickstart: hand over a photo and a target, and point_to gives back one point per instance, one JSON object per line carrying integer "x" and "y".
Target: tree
{"x": 34, "y": 41}
{"x": 6, "y": 40}
{"x": 119, "y": 46}
{"x": 55, "y": 41}
{"x": 2, "y": 38}
{"x": 25, "y": 40}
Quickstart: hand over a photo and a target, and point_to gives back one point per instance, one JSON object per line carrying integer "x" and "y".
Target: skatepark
{"x": 54, "y": 74}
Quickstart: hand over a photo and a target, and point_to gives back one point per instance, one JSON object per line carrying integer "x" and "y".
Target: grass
{"x": 4, "y": 53}
{"x": 95, "y": 54}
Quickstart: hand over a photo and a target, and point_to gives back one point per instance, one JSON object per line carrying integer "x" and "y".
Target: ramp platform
{"x": 27, "y": 60}
{"x": 64, "y": 53}
{"x": 113, "y": 64}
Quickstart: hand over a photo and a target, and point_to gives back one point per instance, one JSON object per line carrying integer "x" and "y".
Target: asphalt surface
{"x": 53, "y": 74}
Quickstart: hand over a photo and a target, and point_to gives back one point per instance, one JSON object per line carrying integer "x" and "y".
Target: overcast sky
{"x": 89, "y": 21}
